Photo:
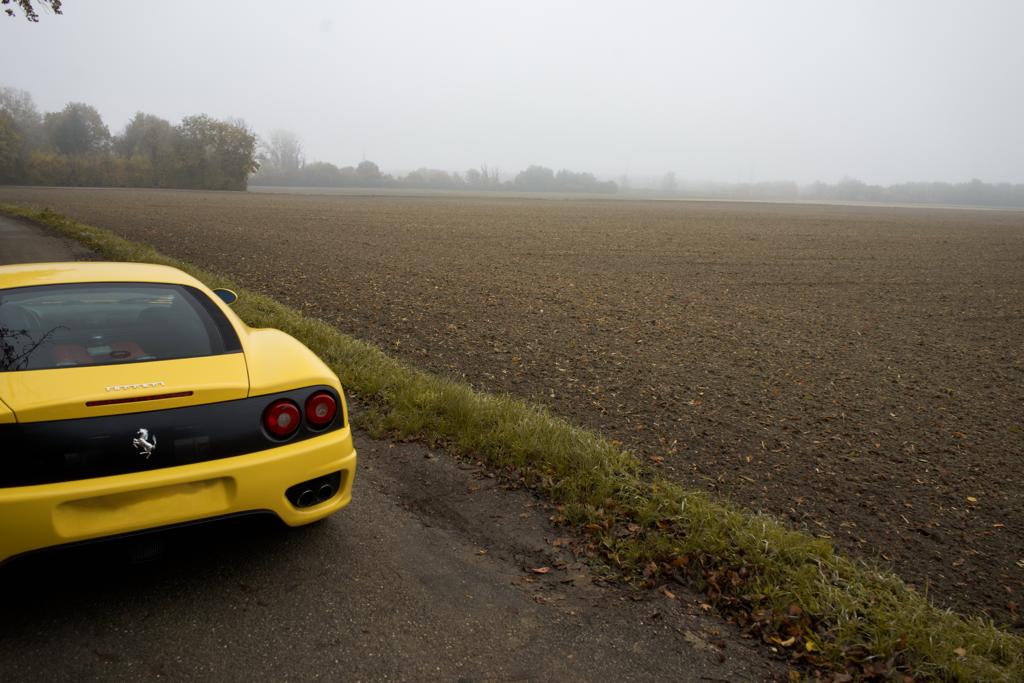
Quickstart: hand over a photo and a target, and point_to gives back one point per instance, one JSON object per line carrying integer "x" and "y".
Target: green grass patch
{"x": 823, "y": 609}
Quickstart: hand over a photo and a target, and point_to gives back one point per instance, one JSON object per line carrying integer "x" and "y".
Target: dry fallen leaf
{"x": 972, "y": 499}
{"x": 539, "y": 570}
{"x": 960, "y": 652}
{"x": 668, "y": 594}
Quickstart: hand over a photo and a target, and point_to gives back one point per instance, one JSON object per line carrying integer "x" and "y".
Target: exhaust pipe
{"x": 306, "y": 498}
{"x": 314, "y": 491}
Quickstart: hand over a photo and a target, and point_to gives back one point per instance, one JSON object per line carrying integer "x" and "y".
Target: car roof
{"x": 30, "y": 274}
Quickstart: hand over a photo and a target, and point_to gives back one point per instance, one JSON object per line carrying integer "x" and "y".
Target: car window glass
{"x": 55, "y": 326}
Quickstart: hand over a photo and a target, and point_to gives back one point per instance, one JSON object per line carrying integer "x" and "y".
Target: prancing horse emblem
{"x": 144, "y": 442}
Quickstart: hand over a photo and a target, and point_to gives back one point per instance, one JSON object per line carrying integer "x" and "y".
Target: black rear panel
{"x": 70, "y": 450}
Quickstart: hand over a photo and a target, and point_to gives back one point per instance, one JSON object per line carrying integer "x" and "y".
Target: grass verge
{"x": 793, "y": 590}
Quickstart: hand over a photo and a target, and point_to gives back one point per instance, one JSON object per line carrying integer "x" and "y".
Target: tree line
{"x": 368, "y": 174}
{"x": 282, "y": 163}
{"x": 74, "y": 147}
{"x": 974, "y": 192}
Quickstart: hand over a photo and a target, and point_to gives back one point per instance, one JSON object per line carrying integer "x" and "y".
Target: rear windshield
{"x": 57, "y": 326}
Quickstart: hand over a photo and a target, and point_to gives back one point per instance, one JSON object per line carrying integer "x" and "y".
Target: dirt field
{"x": 858, "y": 371}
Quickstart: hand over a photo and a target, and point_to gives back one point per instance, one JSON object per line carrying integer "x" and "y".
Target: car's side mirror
{"x": 226, "y": 295}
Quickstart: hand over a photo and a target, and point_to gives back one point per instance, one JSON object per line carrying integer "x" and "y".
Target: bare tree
{"x": 28, "y": 9}
{"x": 283, "y": 151}
{"x": 669, "y": 184}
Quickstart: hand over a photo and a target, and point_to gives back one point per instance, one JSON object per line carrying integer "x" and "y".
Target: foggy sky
{"x": 731, "y": 91}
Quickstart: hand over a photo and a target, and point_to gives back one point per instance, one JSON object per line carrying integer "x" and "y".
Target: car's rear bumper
{"x": 35, "y": 517}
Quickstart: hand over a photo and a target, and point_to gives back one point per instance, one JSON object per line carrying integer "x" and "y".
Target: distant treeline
{"x": 74, "y": 147}
{"x": 974, "y": 192}
{"x": 368, "y": 174}
{"x": 282, "y": 163}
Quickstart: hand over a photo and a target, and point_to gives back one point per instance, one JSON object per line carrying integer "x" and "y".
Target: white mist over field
{"x": 729, "y": 91}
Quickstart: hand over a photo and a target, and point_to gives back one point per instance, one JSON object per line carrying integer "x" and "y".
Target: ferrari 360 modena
{"x": 132, "y": 398}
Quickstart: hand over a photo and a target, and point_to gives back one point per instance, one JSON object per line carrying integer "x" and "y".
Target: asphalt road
{"x": 428, "y": 575}
{"x": 22, "y": 242}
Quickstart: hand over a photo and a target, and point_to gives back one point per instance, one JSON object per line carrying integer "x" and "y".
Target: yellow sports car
{"x": 132, "y": 397}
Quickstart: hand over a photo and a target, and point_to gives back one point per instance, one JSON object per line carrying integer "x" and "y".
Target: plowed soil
{"x": 858, "y": 371}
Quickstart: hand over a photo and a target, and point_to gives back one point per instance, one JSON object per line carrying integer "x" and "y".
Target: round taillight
{"x": 282, "y": 418}
{"x": 321, "y": 409}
